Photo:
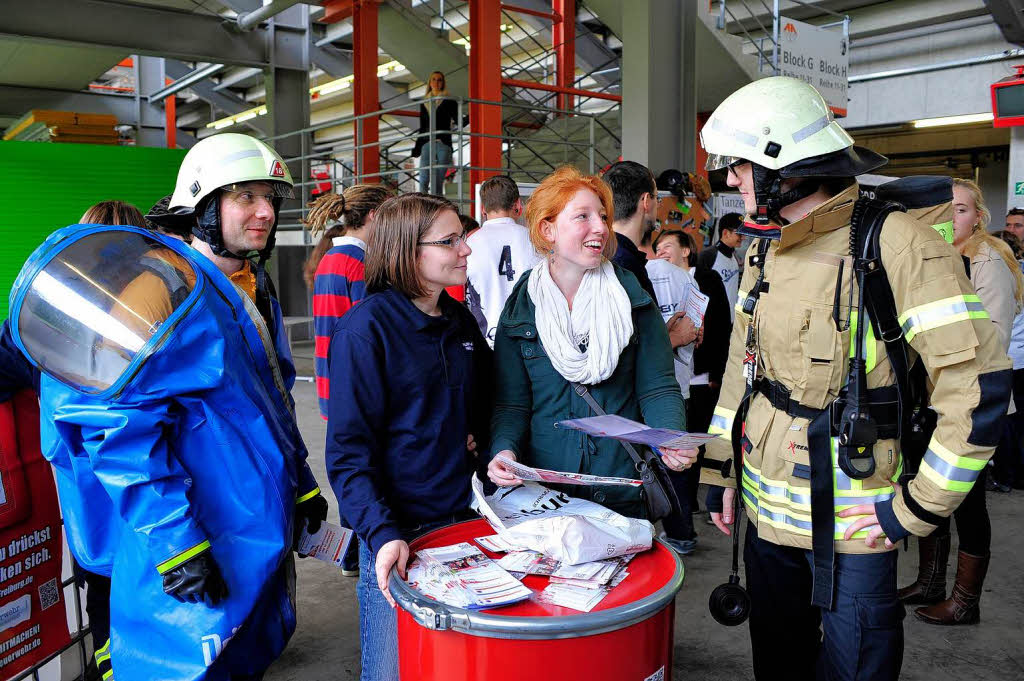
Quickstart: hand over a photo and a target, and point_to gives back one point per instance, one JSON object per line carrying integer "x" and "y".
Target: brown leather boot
{"x": 930, "y": 587}
{"x": 962, "y": 605}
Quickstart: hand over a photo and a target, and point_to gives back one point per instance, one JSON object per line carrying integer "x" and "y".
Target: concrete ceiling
{"x": 35, "y": 64}
{"x": 59, "y": 67}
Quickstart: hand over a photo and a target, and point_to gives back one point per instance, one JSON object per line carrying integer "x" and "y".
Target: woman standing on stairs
{"x": 435, "y": 162}
{"x": 997, "y": 278}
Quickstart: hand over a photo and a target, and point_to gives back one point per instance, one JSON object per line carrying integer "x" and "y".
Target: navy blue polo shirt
{"x": 406, "y": 389}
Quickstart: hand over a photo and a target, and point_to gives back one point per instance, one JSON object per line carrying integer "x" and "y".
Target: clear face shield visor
{"x": 720, "y": 161}
{"x": 90, "y": 311}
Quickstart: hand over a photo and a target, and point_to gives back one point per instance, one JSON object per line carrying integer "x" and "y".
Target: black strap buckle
{"x": 781, "y": 396}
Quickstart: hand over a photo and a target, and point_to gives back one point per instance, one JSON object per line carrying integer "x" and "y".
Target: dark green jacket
{"x": 530, "y": 396}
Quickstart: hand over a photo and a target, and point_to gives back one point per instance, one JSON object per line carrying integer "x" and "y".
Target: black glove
{"x": 197, "y": 580}
{"x": 714, "y": 499}
{"x": 308, "y": 515}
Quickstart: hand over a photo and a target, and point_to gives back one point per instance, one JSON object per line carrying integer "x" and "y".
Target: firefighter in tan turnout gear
{"x": 819, "y": 443}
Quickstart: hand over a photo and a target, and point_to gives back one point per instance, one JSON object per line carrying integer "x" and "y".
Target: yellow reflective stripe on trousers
{"x": 940, "y": 313}
{"x": 177, "y": 560}
{"x": 721, "y": 423}
{"x": 102, "y": 654}
{"x": 308, "y": 495}
{"x": 109, "y": 674}
{"x": 870, "y": 346}
{"x": 949, "y": 471}
{"x": 788, "y": 507}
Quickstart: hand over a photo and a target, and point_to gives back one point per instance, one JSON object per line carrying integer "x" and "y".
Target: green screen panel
{"x": 46, "y": 186}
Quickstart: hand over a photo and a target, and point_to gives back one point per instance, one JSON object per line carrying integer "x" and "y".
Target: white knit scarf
{"x": 600, "y": 320}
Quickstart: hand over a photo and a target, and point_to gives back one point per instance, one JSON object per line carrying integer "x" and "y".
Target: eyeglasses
{"x": 246, "y": 197}
{"x": 450, "y": 242}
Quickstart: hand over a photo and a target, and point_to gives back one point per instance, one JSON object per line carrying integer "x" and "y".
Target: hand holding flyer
{"x": 695, "y": 304}
{"x": 542, "y": 475}
{"x": 328, "y": 544}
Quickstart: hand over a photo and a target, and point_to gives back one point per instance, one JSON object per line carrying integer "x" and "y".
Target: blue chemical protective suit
{"x": 167, "y": 413}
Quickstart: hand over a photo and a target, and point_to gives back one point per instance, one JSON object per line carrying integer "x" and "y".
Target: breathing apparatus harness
{"x": 859, "y": 417}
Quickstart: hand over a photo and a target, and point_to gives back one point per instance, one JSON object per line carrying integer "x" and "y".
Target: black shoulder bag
{"x": 658, "y": 494}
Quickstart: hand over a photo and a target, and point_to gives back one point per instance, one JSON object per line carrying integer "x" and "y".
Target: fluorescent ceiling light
{"x": 318, "y": 90}
{"x": 952, "y": 120}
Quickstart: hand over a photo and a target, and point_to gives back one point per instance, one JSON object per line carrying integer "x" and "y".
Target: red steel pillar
{"x": 563, "y": 35}
{"x": 702, "y": 156}
{"x": 366, "y": 100}
{"x": 170, "y": 118}
{"x": 484, "y": 84}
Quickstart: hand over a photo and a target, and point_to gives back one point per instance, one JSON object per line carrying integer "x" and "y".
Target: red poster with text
{"x": 33, "y": 623}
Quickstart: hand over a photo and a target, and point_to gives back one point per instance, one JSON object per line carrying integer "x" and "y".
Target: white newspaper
{"x": 328, "y": 544}
{"x": 568, "y": 529}
{"x": 524, "y": 472}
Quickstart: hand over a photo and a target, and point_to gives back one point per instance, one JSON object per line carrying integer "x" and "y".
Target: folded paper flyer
{"x": 620, "y": 428}
{"x": 542, "y": 475}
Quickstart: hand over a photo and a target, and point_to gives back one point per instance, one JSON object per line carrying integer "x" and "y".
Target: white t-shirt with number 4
{"x": 501, "y": 253}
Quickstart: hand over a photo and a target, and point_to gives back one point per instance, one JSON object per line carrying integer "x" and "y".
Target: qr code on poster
{"x": 657, "y": 676}
{"x": 49, "y": 594}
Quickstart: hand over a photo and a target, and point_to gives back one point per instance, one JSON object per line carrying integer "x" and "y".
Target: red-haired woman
{"x": 577, "y": 318}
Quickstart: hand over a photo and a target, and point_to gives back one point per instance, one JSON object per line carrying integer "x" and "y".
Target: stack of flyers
{"x": 436, "y": 583}
{"x": 468, "y": 578}
{"x": 578, "y": 597}
{"x": 522, "y": 563}
{"x": 595, "y": 575}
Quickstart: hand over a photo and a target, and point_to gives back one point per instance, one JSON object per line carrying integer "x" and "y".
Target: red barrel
{"x": 627, "y": 637}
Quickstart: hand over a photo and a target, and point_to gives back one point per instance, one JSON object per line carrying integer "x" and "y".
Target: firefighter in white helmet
{"x": 815, "y": 409}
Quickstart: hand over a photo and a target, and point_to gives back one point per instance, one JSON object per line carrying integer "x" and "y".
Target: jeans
{"x": 863, "y": 632}
{"x": 441, "y": 159}
{"x": 378, "y": 622}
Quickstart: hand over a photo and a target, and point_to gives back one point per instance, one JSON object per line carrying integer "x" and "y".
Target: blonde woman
{"x": 994, "y": 270}
{"x": 997, "y": 278}
{"x": 434, "y": 163}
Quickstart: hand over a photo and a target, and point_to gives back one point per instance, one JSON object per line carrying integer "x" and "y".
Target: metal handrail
{"x": 340, "y": 158}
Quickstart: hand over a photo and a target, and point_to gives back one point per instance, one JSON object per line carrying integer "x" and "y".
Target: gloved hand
{"x": 197, "y": 580}
{"x": 713, "y": 502}
{"x": 308, "y": 515}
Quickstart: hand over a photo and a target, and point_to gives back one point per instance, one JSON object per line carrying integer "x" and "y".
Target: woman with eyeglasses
{"x": 578, "y": 319}
{"x": 410, "y": 381}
